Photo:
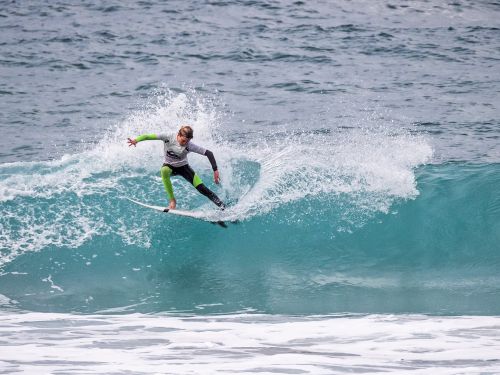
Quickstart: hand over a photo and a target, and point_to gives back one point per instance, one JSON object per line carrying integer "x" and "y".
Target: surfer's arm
{"x": 143, "y": 137}
{"x": 209, "y": 154}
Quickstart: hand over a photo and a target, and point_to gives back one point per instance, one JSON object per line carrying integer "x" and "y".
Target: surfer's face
{"x": 183, "y": 140}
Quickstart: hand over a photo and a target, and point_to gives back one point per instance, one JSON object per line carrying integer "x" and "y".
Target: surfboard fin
{"x": 220, "y": 223}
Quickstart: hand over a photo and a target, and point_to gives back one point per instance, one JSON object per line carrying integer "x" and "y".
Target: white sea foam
{"x": 369, "y": 161}
{"x": 247, "y": 344}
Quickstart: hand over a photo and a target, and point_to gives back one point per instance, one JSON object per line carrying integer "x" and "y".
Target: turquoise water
{"x": 358, "y": 144}
{"x": 317, "y": 254}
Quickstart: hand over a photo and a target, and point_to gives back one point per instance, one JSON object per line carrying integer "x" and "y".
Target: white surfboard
{"x": 194, "y": 215}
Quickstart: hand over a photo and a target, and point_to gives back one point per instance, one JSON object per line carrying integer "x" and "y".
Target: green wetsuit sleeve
{"x": 146, "y": 137}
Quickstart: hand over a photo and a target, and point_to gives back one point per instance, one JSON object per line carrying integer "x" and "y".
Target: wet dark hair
{"x": 186, "y": 131}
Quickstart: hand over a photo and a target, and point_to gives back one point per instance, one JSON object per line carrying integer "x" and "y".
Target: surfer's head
{"x": 184, "y": 135}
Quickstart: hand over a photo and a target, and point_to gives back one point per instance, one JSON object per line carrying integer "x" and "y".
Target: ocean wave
{"x": 374, "y": 166}
{"x": 321, "y": 215}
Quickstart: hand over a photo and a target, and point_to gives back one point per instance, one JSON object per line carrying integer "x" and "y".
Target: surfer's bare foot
{"x": 172, "y": 204}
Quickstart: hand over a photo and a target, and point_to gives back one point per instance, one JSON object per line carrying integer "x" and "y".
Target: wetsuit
{"x": 176, "y": 163}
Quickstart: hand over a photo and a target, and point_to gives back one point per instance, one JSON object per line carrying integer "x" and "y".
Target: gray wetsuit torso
{"x": 175, "y": 154}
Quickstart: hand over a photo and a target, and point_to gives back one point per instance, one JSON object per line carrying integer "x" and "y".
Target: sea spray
{"x": 70, "y": 201}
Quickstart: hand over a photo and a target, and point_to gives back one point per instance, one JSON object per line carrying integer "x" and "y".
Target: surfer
{"x": 176, "y": 148}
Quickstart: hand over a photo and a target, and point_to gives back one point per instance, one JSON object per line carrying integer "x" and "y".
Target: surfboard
{"x": 193, "y": 215}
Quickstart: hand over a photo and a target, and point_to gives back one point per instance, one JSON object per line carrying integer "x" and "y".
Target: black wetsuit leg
{"x": 187, "y": 172}
{"x": 210, "y": 195}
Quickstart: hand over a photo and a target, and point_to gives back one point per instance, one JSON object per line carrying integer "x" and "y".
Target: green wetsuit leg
{"x": 196, "y": 180}
{"x": 166, "y": 172}
{"x": 187, "y": 172}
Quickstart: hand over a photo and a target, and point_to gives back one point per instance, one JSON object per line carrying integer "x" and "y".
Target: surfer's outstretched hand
{"x": 216, "y": 177}
{"x": 131, "y": 142}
